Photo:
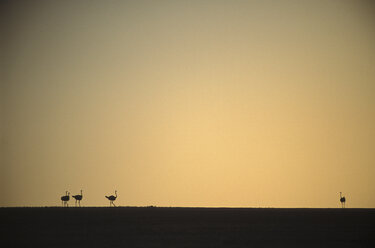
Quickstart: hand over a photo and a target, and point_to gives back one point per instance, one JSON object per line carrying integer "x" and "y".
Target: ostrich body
{"x": 112, "y": 198}
{"x": 342, "y": 200}
{"x": 78, "y": 198}
{"x": 65, "y": 199}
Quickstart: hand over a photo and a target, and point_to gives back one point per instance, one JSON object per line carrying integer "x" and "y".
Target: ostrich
{"x": 342, "y": 200}
{"x": 78, "y": 198}
{"x": 112, "y": 198}
{"x": 65, "y": 199}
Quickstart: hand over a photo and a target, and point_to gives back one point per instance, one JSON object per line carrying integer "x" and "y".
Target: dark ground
{"x": 186, "y": 227}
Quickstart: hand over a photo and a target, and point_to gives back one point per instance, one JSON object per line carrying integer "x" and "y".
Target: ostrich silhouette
{"x": 112, "y": 198}
{"x": 78, "y": 198}
{"x": 342, "y": 200}
{"x": 65, "y": 199}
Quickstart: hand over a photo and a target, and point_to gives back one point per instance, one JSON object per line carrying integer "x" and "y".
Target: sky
{"x": 188, "y": 103}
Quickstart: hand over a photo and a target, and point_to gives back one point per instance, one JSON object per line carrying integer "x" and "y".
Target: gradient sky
{"x": 188, "y": 103}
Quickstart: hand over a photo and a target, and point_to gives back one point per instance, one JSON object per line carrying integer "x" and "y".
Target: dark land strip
{"x": 186, "y": 227}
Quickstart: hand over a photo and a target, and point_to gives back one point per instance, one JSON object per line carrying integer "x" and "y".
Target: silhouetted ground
{"x": 186, "y": 227}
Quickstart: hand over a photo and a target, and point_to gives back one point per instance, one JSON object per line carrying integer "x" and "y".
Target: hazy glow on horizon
{"x": 188, "y": 103}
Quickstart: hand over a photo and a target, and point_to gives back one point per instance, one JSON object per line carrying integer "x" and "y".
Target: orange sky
{"x": 188, "y": 103}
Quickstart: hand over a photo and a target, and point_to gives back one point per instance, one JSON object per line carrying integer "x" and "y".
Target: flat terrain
{"x": 186, "y": 227}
